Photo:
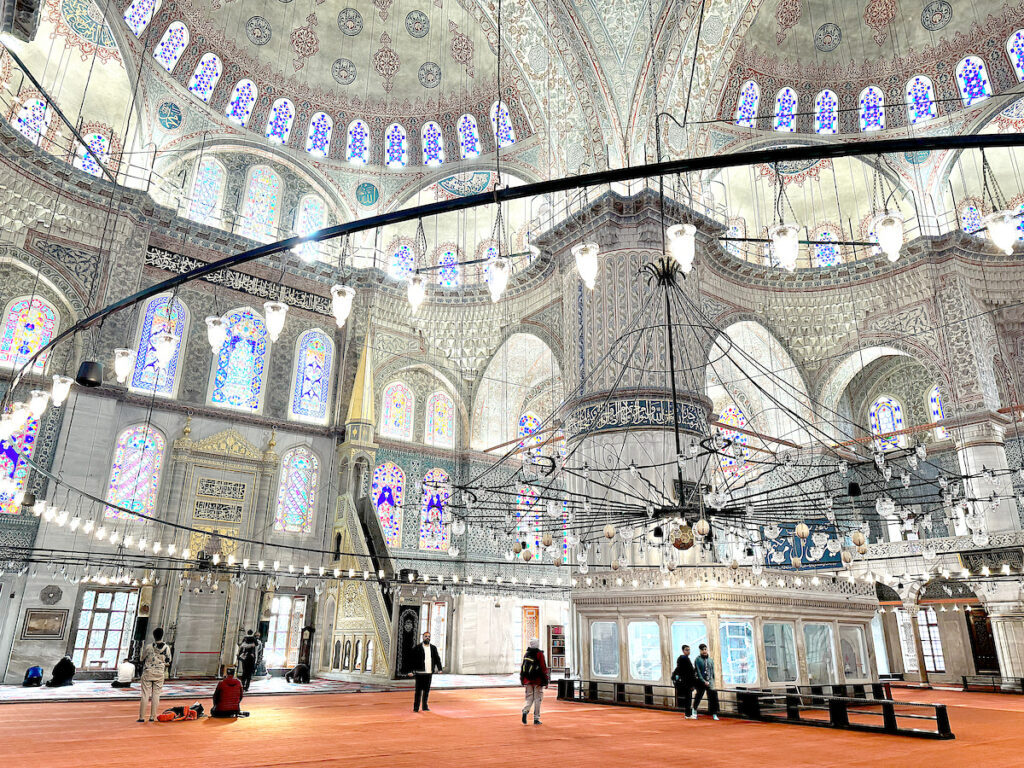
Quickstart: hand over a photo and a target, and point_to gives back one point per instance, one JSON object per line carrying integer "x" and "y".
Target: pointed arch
{"x": 439, "y": 426}
{"x": 402, "y": 261}
{"x": 872, "y": 109}
{"x": 469, "y": 137}
{"x": 311, "y": 377}
{"x": 262, "y": 204}
{"x": 279, "y": 122}
{"x": 238, "y": 376}
{"x": 243, "y": 99}
{"x": 437, "y": 492}
{"x": 746, "y": 106}
{"x": 318, "y": 137}
{"x": 920, "y": 100}
{"x": 159, "y": 316}
{"x": 826, "y": 112}
{"x": 206, "y": 75}
{"x": 357, "y": 150}
{"x": 501, "y": 124}
{"x": 972, "y": 79}
{"x": 396, "y": 147}
{"x": 450, "y": 274}
{"x": 29, "y": 324}
{"x": 1015, "y": 50}
{"x": 33, "y": 120}
{"x": 86, "y": 160}
{"x": 387, "y": 491}
{"x": 310, "y": 216}
{"x": 135, "y": 472}
{"x": 397, "y": 408}
{"x": 296, "y": 491}
{"x": 885, "y": 416}
{"x": 785, "y": 110}
{"x": 15, "y": 453}
{"x": 138, "y": 15}
{"x": 207, "y": 197}
{"x": 529, "y": 423}
{"x": 171, "y": 45}
{"x": 432, "y": 141}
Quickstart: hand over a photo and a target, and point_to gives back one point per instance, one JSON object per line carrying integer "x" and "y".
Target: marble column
{"x": 981, "y": 448}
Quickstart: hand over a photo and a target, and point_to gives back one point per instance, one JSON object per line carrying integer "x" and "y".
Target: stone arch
{"x": 424, "y": 376}
{"x": 327, "y": 631}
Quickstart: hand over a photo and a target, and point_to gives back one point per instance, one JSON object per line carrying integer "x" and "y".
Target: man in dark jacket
{"x": 63, "y": 673}
{"x": 534, "y": 675}
{"x": 425, "y": 661}
{"x": 227, "y": 698}
{"x": 247, "y": 657}
{"x": 683, "y": 678}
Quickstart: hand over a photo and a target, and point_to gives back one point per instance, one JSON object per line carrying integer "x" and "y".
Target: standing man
{"x": 248, "y": 651}
{"x": 683, "y": 678}
{"x": 425, "y": 662}
{"x": 705, "y": 681}
{"x": 155, "y": 659}
{"x": 534, "y": 674}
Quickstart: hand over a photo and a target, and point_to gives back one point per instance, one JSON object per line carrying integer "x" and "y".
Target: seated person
{"x": 63, "y": 673}
{"x": 298, "y": 675}
{"x": 125, "y": 674}
{"x": 228, "y": 696}
{"x": 33, "y": 677}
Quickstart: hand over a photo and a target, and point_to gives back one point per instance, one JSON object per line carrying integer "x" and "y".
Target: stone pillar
{"x": 1008, "y": 630}
{"x": 912, "y": 608}
{"x": 981, "y": 447}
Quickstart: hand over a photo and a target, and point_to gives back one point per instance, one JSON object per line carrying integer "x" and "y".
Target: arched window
{"x": 33, "y": 120}
{"x": 159, "y": 316}
{"x": 279, "y": 123}
{"x": 243, "y": 99}
{"x": 970, "y": 219}
{"x": 437, "y": 490}
{"x": 388, "y": 495}
{"x": 357, "y": 657}
{"x": 938, "y": 412}
{"x": 489, "y": 255}
{"x": 311, "y": 385}
{"x": 1015, "y": 50}
{"x": 139, "y": 14}
{"x": 734, "y": 461}
{"x": 826, "y": 250}
{"x": 296, "y": 493}
{"x": 469, "y": 137}
{"x": 433, "y": 143}
{"x": 135, "y": 472}
{"x": 205, "y": 77}
{"x": 318, "y": 138}
{"x": 240, "y": 369}
{"x": 368, "y": 666}
{"x": 262, "y": 202}
{"x": 528, "y": 424}
{"x": 826, "y": 112}
{"x": 737, "y": 228}
{"x": 357, "y": 151}
{"x": 972, "y": 77}
{"x": 15, "y": 452}
{"x": 529, "y": 520}
{"x": 86, "y": 161}
{"x": 310, "y": 216}
{"x": 207, "y": 191}
{"x": 448, "y": 274}
{"x": 30, "y": 323}
{"x": 171, "y": 45}
{"x": 396, "y": 147}
{"x": 785, "y": 110}
{"x": 397, "y": 407}
{"x": 872, "y": 109}
{"x": 886, "y": 416}
{"x": 402, "y": 262}
{"x": 501, "y": 124}
{"x": 920, "y": 100}
{"x": 440, "y": 423}
{"x": 746, "y": 107}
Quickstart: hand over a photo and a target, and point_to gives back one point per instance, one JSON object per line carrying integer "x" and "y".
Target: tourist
{"x": 299, "y": 674}
{"x": 227, "y": 697}
{"x": 33, "y": 677}
{"x": 63, "y": 673}
{"x": 248, "y": 651}
{"x": 125, "y": 675}
{"x": 705, "y": 682}
{"x": 534, "y": 675}
{"x": 683, "y": 679}
{"x": 155, "y": 659}
{"x": 425, "y": 662}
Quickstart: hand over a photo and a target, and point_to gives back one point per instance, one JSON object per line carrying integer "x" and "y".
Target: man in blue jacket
{"x": 704, "y": 670}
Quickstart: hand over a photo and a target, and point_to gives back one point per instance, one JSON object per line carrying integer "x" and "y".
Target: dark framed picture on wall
{"x": 44, "y": 624}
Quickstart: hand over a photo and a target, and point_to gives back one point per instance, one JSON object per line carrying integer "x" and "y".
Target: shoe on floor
{"x": 537, "y": 722}
{"x": 714, "y": 717}
{"x": 692, "y": 717}
{"x": 426, "y": 709}
{"x": 415, "y": 710}
{"x": 140, "y": 720}
{"x": 524, "y": 718}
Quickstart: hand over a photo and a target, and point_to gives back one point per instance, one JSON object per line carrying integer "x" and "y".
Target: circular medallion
{"x": 367, "y": 194}
{"x": 537, "y": 59}
{"x": 350, "y": 22}
{"x": 916, "y": 158}
{"x": 683, "y": 538}
{"x": 793, "y": 167}
{"x": 936, "y": 15}
{"x": 50, "y": 595}
{"x": 343, "y": 71}
{"x": 828, "y": 37}
{"x": 169, "y": 115}
{"x": 429, "y": 74}
{"x": 417, "y": 24}
{"x": 713, "y": 30}
{"x": 257, "y": 29}
{"x": 86, "y": 20}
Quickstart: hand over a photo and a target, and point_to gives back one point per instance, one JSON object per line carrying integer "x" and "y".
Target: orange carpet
{"x": 482, "y": 728}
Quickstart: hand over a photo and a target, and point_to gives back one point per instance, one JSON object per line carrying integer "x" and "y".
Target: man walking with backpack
{"x": 534, "y": 675}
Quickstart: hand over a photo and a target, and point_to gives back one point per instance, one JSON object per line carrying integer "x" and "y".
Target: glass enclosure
{"x": 739, "y": 664}
{"x": 820, "y": 650}
{"x": 604, "y": 649}
{"x": 691, "y": 632}
{"x": 644, "y": 650}
{"x": 780, "y": 652}
{"x": 854, "y": 652}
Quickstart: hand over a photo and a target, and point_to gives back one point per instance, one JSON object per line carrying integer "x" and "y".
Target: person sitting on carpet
{"x": 125, "y": 675}
{"x": 63, "y": 673}
{"x": 298, "y": 675}
{"x": 227, "y": 698}
{"x": 33, "y": 677}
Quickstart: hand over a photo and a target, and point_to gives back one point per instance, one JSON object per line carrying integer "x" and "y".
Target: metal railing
{"x": 993, "y": 683}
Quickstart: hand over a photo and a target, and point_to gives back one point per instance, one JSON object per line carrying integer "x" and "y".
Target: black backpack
{"x": 530, "y": 667}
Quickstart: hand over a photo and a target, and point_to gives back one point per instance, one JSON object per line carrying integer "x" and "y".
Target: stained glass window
{"x": 205, "y": 77}
{"x": 396, "y": 146}
{"x": 33, "y": 120}
{"x": 489, "y": 255}
{"x": 86, "y": 161}
{"x": 357, "y": 150}
{"x": 785, "y": 110}
{"x": 279, "y": 123}
{"x": 872, "y": 109}
{"x": 207, "y": 192}
{"x": 397, "y": 411}
{"x": 448, "y": 274}
{"x": 402, "y": 263}
{"x": 388, "y": 493}
{"x": 501, "y": 123}
{"x": 15, "y": 452}
{"x": 433, "y": 143}
{"x": 139, "y": 14}
{"x": 171, "y": 45}
{"x": 239, "y": 372}
{"x": 30, "y": 323}
{"x": 737, "y": 228}
{"x": 826, "y": 112}
{"x": 296, "y": 495}
{"x": 886, "y": 415}
{"x": 262, "y": 201}
{"x": 158, "y": 316}
{"x": 970, "y": 219}
{"x": 735, "y": 460}
{"x": 318, "y": 138}
{"x": 746, "y": 107}
{"x": 310, "y": 217}
{"x": 920, "y": 100}
{"x": 135, "y": 472}
{"x": 437, "y": 491}
{"x": 312, "y": 377}
{"x": 826, "y": 251}
{"x": 243, "y": 99}
{"x": 528, "y": 424}
{"x": 972, "y": 77}
{"x": 440, "y": 423}
{"x": 529, "y": 520}
{"x": 937, "y": 411}
{"x": 1015, "y": 50}
{"x": 469, "y": 137}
